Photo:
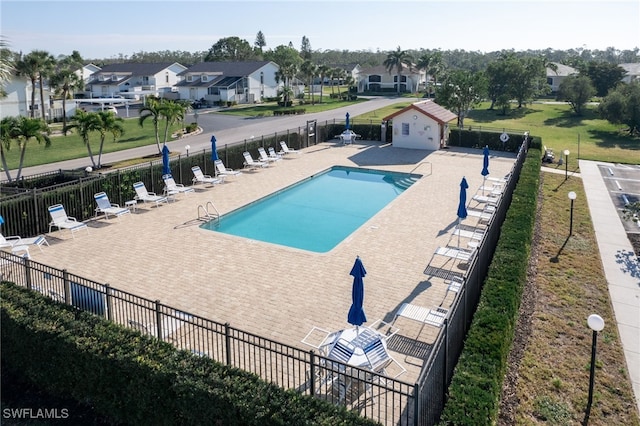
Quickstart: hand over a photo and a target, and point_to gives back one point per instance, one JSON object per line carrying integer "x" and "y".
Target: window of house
{"x": 403, "y": 78}
{"x": 166, "y": 77}
{"x": 261, "y": 77}
{"x": 405, "y": 129}
{"x": 375, "y": 78}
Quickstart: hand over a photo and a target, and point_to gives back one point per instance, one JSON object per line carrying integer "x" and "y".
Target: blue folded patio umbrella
{"x": 166, "y": 170}
{"x": 485, "y": 166}
{"x": 347, "y": 124}
{"x": 214, "y": 149}
{"x": 462, "y": 204}
{"x": 356, "y": 312}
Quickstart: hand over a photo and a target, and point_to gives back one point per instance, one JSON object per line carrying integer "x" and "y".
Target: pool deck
{"x": 279, "y": 292}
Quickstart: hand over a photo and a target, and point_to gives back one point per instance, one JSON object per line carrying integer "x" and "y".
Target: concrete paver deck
{"x": 280, "y": 292}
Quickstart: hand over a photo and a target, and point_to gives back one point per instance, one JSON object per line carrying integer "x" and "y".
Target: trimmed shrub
{"x": 137, "y": 379}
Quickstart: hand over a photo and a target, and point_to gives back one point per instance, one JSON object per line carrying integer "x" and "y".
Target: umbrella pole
{"x": 484, "y": 180}
{"x": 458, "y": 232}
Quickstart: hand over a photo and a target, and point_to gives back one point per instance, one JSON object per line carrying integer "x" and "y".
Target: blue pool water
{"x": 319, "y": 212}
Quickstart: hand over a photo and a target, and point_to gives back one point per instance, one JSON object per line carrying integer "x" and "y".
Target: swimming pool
{"x": 319, "y": 212}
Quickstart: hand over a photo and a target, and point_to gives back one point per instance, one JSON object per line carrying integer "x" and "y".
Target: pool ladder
{"x": 206, "y": 215}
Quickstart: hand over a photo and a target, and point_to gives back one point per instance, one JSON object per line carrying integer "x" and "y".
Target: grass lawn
{"x": 569, "y": 285}
{"x": 71, "y": 146}
{"x": 561, "y": 129}
{"x": 266, "y": 110}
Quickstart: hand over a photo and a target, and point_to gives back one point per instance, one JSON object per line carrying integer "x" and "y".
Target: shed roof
{"x": 428, "y": 108}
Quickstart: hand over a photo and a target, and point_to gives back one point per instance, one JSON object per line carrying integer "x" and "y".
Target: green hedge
{"x": 474, "y": 393}
{"x": 136, "y": 379}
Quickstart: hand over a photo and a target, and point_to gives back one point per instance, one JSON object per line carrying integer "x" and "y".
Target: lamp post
{"x": 596, "y": 323}
{"x": 572, "y": 197}
{"x": 566, "y": 164}
{"x": 187, "y": 147}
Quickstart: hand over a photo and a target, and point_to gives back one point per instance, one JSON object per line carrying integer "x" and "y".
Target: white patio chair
{"x": 173, "y": 188}
{"x": 60, "y": 220}
{"x": 265, "y": 158}
{"x": 148, "y": 197}
{"x": 286, "y": 150}
{"x": 199, "y": 177}
{"x": 223, "y": 171}
{"x": 108, "y": 208}
{"x": 16, "y": 241}
{"x": 252, "y": 164}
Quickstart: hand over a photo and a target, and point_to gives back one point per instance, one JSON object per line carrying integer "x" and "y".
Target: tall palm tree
{"x": 27, "y": 67}
{"x": 26, "y": 129}
{"x": 172, "y": 112}
{"x": 397, "y": 60}
{"x": 36, "y": 66}
{"x": 153, "y": 110}
{"x": 309, "y": 70}
{"x": 85, "y": 123}
{"x": 65, "y": 81}
{"x": 285, "y": 74}
{"x": 6, "y": 66}
{"x": 107, "y": 122}
{"x": 431, "y": 63}
{"x": 323, "y": 72}
{"x": 6, "y": 125}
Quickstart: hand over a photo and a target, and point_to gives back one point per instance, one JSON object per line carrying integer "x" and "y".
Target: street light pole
{"x": 566, "y": 164}
{"x": 596, "y": 323}
{"x": 572, "y": 197}
{"x": 187, "y": 148}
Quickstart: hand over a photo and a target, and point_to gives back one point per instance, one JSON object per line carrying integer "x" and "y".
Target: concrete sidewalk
{"x": 621, "y": 266}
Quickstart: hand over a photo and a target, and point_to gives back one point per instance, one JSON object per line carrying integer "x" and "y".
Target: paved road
{"x": 228, "y": 130}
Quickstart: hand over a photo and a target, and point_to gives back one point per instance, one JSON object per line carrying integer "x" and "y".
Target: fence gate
{"x": 312, "y": 137}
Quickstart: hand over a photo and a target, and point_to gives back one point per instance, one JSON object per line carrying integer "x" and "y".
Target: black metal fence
{"x": 389, "y": 401}
{"x": 386, "y": 400}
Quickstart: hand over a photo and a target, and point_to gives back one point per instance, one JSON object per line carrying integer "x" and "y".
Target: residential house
{"x": 633, "y": 73}
{"x": 223, "y": 82}
{"x": 134, "y": 80}
{"x": 379, "y": 79}
{"x": 18, "y": 100}
{"x": 421, "y": 125}
{"x": 556, "y": 77}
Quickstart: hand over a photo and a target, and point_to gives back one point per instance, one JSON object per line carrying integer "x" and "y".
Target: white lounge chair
{"x": 485, "y": 214}
{"x": 223, "y": 171}
{"x": 476, "y": 234}
{"x": 173, "y": 188}
{"x": 286, "y": 150}
{"x": 485, "y": 199}
{"x": 265, "y": 158}
{"x": 252, "y": 164}
{"x": 107, "y": 207}
{"x": 16, "y": 241}
{"x": 434, "y": 317}
{"x": 456, "y": 253}
{"x": 199, "y": 177}
{"x": 147, "y": 197}
{"x": 273, "y": 153}
{"x": 60, "y": 220}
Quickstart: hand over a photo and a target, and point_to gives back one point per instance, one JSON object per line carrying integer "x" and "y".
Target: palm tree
{"x": 85, "y": 122}
{"x": 432, "y": 65}
{"x": 285, "y": 74}
{"x": 152, "y": 109}
{"x": 107, "y": 121}
{"x": 309, "y": 70}
{"x": 398, "y": 59}
{"x": 6, "y": 66}
{"x": 172, "y": 112}
{"x": 6, "y": 125}
{"x": 65, "y": 81}
{"x": 26, "y": 67}
{"x": 26, "y": 129}
{"x": 323, "y": 72}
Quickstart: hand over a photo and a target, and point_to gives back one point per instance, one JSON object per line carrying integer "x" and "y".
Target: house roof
{"x": 562, "y": 71}
{"x": 631, "y": 69}
{"x": 428, "y": 108}
{"x": 381, "y": 69}
{"x": 236, "y": 69}
{"x": 136, "y": 68}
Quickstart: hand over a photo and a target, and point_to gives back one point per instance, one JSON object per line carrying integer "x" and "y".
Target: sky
{"x": 109, "y": 29}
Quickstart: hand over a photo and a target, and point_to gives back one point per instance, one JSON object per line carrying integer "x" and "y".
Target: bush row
{"x": 474, "y": 392}
{"x": 293, "y": 111}
{"x": 136, "y": 379}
